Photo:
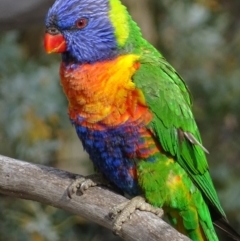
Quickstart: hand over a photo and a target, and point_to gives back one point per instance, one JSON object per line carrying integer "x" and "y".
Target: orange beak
{"x": 54, "y": 43}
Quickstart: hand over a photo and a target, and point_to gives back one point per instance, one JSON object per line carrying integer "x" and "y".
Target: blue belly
{"x": 113, "y": 152}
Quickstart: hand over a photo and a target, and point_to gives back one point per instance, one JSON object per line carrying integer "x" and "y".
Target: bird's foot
{"x": 123, "y": 211}
{"x": 83, "y": 183}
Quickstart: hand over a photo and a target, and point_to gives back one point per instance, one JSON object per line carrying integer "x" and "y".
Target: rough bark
{"x": 48, "y": 185}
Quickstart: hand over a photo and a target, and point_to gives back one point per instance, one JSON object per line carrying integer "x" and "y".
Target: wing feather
{"x": 169, "y": 100}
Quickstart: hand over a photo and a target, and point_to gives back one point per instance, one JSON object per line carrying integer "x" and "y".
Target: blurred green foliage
{"x": 201, "y": 39}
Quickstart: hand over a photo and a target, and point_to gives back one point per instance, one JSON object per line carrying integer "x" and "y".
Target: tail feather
{"x": 224, "y": 226}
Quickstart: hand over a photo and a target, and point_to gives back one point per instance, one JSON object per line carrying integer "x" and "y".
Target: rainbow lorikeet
{"x": 132, "y": 112}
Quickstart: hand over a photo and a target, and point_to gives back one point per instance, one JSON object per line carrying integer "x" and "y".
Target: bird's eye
{"x": 81, "y": 23}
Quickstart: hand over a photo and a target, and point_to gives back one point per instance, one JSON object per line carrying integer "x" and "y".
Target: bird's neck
{"x": 103, "y": 93}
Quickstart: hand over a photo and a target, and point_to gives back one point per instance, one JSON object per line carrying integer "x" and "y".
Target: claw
{"x": 127, "y": 208}
{"x": 83, "y": 183}
{"x": 75, "y": 186}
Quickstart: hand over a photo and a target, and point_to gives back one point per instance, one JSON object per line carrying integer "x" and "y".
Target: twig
{"x": 48, "y": 185}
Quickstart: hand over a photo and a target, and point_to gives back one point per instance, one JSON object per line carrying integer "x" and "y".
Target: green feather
{"x": 173, "y": 125}
{"x": 169, "y": 100}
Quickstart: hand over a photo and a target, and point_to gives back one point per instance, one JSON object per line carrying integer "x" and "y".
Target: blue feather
{"x": 93, "y": 43}
{"x": 110, "y": 151}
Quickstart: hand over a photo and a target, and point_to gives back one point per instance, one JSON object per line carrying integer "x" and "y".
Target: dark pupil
{"x": 81, "y": 23}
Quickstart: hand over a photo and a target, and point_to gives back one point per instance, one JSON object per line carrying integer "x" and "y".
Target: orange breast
{"x": 103, "y": 93}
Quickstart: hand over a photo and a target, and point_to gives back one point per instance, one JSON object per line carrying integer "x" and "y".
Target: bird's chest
{"x": 103, "y": 92}
{"x": 110, "y": 116}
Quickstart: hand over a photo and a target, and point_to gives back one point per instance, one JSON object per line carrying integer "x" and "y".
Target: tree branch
{"x": 48, "y": 185}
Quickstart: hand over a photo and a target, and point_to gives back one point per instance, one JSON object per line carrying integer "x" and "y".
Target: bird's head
{"x": 86, "y": 31}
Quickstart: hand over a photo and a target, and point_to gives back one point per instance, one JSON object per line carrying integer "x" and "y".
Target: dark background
{"x": 200, "y": 38}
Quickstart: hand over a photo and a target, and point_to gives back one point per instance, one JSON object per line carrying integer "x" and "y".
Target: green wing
{"x": 173, "y": 123}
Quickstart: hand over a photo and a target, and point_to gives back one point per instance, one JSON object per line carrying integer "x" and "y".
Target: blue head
{"x": 81, "y": 30}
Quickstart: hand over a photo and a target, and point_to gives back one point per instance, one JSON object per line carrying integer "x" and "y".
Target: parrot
{"x": 133, "y": 114}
